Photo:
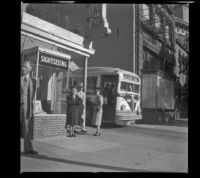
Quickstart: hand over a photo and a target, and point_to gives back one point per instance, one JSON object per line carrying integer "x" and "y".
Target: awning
{"x": 39, "y": 29}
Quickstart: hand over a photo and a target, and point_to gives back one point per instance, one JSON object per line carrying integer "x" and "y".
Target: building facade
{"x": 156, "y": 37}
{"x": 142, "y": 41}
{"x": 181, "y": 12}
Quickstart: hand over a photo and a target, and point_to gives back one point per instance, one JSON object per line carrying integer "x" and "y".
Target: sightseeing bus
{"x": 120, "y": 90}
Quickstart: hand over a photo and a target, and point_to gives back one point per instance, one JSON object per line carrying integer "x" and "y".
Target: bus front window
{"x": 129, "y": 87}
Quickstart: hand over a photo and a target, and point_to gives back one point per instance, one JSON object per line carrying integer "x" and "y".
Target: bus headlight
{"x": 123, "y": 107}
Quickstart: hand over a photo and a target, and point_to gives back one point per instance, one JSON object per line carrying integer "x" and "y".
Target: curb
{"x": 162, "y": 127}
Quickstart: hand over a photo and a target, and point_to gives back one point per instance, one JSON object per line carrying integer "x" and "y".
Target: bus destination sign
{"x": 129, "y": 77}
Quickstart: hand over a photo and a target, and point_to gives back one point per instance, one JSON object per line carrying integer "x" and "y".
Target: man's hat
{"x": 27, "y": 65}
{"x": 98, "y": 88}
{"x": 80, "y": 85}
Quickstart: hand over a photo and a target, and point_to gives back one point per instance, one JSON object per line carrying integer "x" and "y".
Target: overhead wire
{"x": 146, "y": 19}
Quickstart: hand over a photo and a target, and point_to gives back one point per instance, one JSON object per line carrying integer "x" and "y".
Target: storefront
{"x": 51, "y": 49}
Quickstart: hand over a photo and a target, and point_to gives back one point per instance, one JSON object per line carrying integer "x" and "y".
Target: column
{"x": 85, "y": 84}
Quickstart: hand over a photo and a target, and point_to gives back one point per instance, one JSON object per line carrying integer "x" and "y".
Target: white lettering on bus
{"x": 129, "y": 77}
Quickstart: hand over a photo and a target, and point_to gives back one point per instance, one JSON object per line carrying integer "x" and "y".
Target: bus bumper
{"x": 126, "y": 119}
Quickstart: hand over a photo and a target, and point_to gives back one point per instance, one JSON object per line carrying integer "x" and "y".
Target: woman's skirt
{"x": 72, "y": 117}
{"x": 97, "y": 118}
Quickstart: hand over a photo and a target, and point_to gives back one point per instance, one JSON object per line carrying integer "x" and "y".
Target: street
{"x": 119, "y": 149}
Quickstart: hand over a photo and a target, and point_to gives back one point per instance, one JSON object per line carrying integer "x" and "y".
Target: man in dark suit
{"x": 27, "y": 93}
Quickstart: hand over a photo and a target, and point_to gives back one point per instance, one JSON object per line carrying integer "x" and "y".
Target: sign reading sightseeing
{"x": 53, "y": 61}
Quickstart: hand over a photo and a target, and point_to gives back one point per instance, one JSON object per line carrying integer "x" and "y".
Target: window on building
{"x": 157, "y": 21}
{"x": 167, "y": 32}
{"x": 186, "y": 14}
{"x": 52, "y": 13}
{"x": 184, "y": 32}
{"x": 176, "y": 29}
{"x": 145, "y": 12}
{"x": 151, "y": 60}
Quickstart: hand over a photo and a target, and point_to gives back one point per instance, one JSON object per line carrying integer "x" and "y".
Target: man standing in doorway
{"x": 27, "y": 93}
{"x": 82, "y": 98}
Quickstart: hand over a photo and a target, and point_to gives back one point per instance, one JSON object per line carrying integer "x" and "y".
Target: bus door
{"x": 109, "y": 90}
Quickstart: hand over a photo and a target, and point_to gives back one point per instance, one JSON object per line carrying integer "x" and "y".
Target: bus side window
{"x": 74, "y": 83}
{"x": 70, "y": 83}
{"x": 91, "y": 82}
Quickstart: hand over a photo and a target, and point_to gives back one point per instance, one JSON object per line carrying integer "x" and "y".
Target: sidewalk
{"x": 81, "y": 154}
{"x": 109, "y": 153}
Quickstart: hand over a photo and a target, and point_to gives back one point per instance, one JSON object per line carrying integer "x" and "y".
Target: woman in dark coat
{"x": 72, "y": 111}
{"x": 98, "y": 111}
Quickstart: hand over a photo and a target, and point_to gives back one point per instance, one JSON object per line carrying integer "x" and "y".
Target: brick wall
{"x": 48, "y": 126}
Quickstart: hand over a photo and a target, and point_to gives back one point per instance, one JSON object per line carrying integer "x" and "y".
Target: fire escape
{"x": 157, "y": 29}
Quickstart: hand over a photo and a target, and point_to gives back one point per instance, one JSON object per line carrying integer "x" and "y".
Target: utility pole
{"x": 134, "y": 31}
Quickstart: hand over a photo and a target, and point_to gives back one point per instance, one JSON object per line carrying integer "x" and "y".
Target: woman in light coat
{"x": 98, "y": 111}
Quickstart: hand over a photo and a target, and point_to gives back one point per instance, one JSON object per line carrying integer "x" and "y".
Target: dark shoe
{"x": 73, "y": 135}
{"x": 95, "y": 134}
{"x": 69, "y": 135}
{"x": 84, "y": 131}
{"x": 31, "y": 152}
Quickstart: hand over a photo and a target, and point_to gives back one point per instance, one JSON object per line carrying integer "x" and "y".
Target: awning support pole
{"x": 85, "y": 84}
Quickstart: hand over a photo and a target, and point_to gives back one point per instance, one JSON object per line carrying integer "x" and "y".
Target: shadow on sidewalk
{"x": 44, "y": 157}
{"x": 110, "y": 126}
{"x": 107, "y": 126}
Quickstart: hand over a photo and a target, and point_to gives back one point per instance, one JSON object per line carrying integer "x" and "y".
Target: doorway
{"x": 109, "y": 91}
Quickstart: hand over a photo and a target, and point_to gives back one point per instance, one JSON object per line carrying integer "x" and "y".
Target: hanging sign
{"x": 53, "y": 61}
{"x": 73, "y": 66}
{"x": 98, "y": 26}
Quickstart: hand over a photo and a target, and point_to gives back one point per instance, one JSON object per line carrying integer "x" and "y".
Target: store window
{"x": 50, "y": 71}
{"x": 51, "y": 90}
{"x": 32, "y": 58}
{"x": 145, "y": 12}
